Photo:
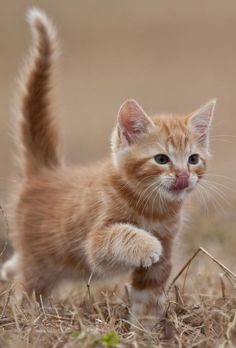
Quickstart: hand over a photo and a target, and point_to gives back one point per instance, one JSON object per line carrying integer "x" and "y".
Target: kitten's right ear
{"x": 200, "y": 121}
{"x": 133, "y": 122}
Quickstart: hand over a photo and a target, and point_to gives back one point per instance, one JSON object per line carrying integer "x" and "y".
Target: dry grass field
{"x": 199, "y": 312}
{"x": 170, "y": 56}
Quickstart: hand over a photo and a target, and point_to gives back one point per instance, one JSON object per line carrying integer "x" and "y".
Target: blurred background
{"x": 169, "y": 55}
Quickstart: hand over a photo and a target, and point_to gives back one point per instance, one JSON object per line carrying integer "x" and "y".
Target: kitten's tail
{"x": 38, "y": 134}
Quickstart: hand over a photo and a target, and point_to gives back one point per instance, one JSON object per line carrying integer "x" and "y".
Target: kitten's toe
{"x": 148, "y": 261}
{"x": 155, "y": 256}
{"x": 152, "y": 254}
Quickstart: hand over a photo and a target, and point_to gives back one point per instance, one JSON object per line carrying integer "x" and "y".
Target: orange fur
{"x": 119, "y": 215}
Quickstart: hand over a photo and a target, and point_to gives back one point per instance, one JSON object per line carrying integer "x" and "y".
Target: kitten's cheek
{"x": 193, "y": 181}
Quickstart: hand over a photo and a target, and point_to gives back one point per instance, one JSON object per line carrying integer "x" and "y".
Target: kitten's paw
{"x": 147, "y": 308}
{"x": 148, "y": 252}
{"x": 149, "y": 260}
{"x": 10, "y": 268}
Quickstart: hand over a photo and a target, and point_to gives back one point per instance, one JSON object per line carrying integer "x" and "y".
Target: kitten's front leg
{"x": 148, "y": 293}
{"x": 121, "y": 247}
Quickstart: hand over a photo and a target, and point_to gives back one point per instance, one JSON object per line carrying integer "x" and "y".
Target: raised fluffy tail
{"x": 38, "y": 134}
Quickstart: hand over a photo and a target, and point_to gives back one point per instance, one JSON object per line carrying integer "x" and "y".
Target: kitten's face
{"x": 163, "y": 155}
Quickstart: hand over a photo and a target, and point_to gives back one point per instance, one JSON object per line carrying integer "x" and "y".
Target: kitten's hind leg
{"x": 39, "y": 279}
{"x": 121, "y": 247}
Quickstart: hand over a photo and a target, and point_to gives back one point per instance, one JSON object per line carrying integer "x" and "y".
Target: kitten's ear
{"x": 200, "y": 121}
{"x": 133, "y": 122}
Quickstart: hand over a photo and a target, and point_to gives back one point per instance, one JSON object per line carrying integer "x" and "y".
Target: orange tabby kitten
{"x": 120, "y": 215}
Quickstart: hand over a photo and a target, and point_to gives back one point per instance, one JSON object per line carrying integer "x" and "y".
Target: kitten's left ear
{"x": 200, "y": 121}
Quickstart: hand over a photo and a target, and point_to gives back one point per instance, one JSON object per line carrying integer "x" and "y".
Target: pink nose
{"x": 181, "y": 182}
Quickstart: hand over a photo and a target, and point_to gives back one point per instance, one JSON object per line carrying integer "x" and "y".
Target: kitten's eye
{"x": 162, "y": 159}
{"x": 193, "y": 159}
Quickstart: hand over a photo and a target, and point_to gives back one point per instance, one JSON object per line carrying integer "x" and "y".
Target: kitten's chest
{"x": 167, "y": 228}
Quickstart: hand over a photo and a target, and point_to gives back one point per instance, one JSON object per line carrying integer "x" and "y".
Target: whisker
{"x": 154, "y": 201}
{"x": 202, "y": 199}
{"x": 142, "y": 195}
{"x": 212, "y": 200}
{"x": 149, "y": 197}
{"x": 222, "y": 185}
{"x": 220, "y": 176}
{"x": 222, "y": 135}
{"x": 215, "y": 201}
{"x": 215, "y": 188}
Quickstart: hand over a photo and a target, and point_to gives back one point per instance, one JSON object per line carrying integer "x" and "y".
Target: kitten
{"x": 117, "y": 216}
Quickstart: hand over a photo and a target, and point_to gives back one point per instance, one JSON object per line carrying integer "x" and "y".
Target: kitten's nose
{"x": 182, "y": 180}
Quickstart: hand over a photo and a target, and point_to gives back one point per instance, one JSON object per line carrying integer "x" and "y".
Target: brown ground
{"x": 170, "y": 56}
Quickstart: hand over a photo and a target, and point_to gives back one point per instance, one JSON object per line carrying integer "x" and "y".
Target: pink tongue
{"x": 181, "y": 182}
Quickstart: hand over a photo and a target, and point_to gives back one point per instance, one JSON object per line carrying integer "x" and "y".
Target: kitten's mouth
{"x": 175, "y": 190}
{"x": 178, "y": 190}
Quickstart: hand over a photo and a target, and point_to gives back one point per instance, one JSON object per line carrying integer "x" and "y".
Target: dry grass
{"x": 205, "y": 317}
{"x": 200, "y": 304}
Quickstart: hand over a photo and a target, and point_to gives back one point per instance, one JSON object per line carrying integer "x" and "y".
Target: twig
{"x": 231, "y": 329}
{"x": 183, "y": 268}
{"x": 108, "y": 307}
{"x": 127, "y": 293}
{"x": 185, "y": 278}
{"x": 140, "y": 328}
{"x": 178, "y": 297}
{"x": 222, "y": 285}
{"x": 88, "y": 285}
{"x": 15, "y": 317}
{"x": 6, "y": 303}
{"x": 42, "y": 305}
{"x": 6, "y": 231}
{"x": 225, "y": 269}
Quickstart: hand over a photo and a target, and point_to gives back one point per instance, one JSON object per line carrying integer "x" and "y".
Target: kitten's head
{"x": 164, "y": 151}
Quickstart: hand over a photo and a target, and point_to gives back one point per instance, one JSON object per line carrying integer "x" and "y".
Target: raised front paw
{"x": 146, "y": 251}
